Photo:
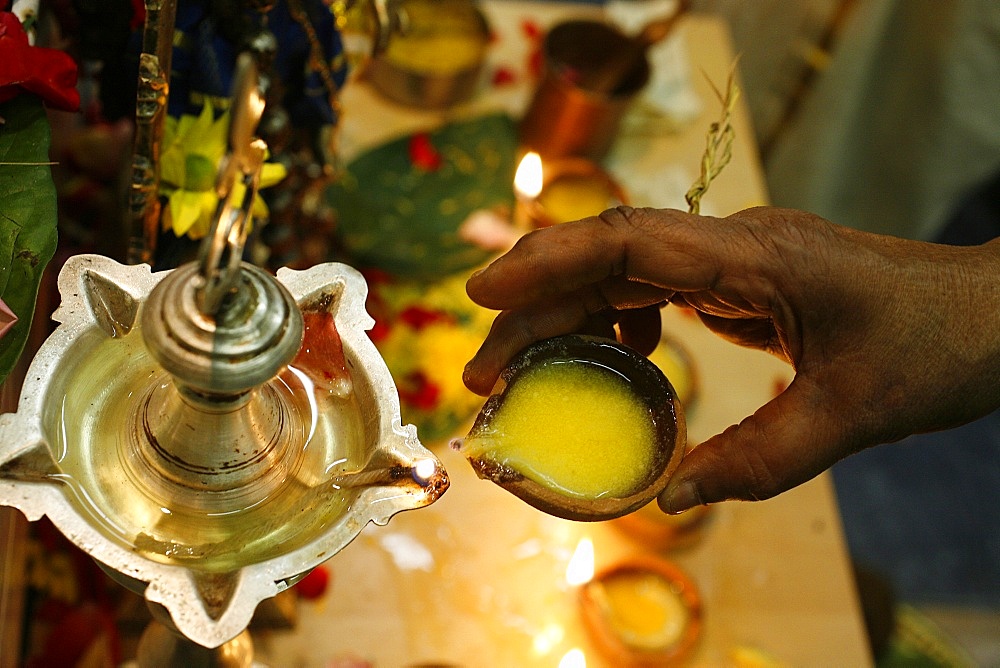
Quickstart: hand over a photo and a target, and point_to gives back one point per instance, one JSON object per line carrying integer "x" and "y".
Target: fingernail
{"x": 679, "y": 497}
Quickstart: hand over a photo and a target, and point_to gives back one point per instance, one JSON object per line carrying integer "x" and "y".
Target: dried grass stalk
{"x": 719, "y": 144}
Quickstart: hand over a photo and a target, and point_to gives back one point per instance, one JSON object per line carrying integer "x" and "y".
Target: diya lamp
{"x": 561, "y": 190}
{"x": 642, "y": 612}
{"x": 583, "y": 428}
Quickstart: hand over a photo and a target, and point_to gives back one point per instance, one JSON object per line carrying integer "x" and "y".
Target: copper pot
{"x": 565, "y": 117}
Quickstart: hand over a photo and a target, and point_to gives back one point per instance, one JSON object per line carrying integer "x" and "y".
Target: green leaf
{"x": 395, "y": 216}
{"x": 27, "y": 216}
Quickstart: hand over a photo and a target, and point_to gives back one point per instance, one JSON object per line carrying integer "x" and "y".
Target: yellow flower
{"x": 193, "y": 148}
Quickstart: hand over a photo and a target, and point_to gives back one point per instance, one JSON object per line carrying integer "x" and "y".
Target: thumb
{"x": 791, "y": 439}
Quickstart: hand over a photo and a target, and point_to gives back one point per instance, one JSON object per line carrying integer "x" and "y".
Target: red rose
{"x": 47, "y": 73}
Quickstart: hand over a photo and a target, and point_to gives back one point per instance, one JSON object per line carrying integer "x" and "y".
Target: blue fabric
{"x": 925, "y": 514}
{"x": 204, "y": 60}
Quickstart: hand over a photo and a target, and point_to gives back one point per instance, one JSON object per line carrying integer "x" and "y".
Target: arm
{"x": 888, "y": 337}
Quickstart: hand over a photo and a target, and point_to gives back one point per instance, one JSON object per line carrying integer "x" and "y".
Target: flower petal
{"x": 207, "y": 203}
{"x": 272, "y": 173}
{"x": 48, "y": 73}
{"x": 7, "y": 318}
{"x": 172, "y": 166}
{"x": 259, "y": 209}
{"x": 183, "y": 211}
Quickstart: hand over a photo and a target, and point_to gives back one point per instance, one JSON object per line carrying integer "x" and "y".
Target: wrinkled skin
{"x": 888, "y": 337}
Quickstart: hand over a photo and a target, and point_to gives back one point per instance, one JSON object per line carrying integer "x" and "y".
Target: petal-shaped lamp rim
{"x": 173, "y": 585}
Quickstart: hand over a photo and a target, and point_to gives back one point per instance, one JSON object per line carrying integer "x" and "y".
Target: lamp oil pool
{"x": 99, "y": 420}
{"x": 575, "y": 196}
{"x": 573, "y": 425}
{"x": 643, "y": 609}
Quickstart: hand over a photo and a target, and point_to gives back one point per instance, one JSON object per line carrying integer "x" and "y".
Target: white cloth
{"x": 903, "y": 123}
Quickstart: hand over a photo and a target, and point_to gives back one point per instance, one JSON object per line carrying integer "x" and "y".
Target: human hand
{"x": 888, "y": 337}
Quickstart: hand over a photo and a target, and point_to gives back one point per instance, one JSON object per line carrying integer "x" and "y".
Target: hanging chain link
{"x": 237, "y": 184}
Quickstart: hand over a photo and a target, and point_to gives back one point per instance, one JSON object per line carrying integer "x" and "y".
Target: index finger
{"x": 656, "y": 246}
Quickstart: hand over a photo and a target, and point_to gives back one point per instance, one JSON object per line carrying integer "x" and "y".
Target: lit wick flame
{"x": 424, "y": 470}
{"x": 528, "y": 177}
{"x": 580, "y": 568}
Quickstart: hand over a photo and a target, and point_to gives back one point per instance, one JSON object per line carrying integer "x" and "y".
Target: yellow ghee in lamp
{"x": 575, "y": 196}
{"x": 574, "y": 426}
{"x": 586, "y": 429}
{"x": 643, "y": 612}
{"x": 642, "y": 609}
{"x": 436, "y": 53}
{"x": 440, "y": 37}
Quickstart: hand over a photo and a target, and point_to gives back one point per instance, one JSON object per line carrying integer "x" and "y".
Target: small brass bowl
{"x": 602, "y": 467}
{"x": 434, "y": 62}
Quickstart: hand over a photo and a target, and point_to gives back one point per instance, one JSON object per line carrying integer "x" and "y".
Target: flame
{"x": 424, "y": 469}
{"x": 548, "y": 638}
{"x": 528, "y": 177}
{"x": 574, "y": 658}
{"x": 580, "y": 568}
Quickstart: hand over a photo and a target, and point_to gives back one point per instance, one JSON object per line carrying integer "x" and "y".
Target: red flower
{"x": 47, "y": 73}
{"x": 315, "y": 584}
{"x": 503, "y": 76}
{"x": 418, "y": 391}
{"x": 419, "y": 317}
{"x": 423, "y": 155}
{"x": 531, "y": 30}
{"x": 380, "y": 331}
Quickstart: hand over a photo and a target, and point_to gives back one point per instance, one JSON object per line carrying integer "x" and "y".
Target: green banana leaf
{"x": 396, "y": 216}
{"x": 27, "y": 217}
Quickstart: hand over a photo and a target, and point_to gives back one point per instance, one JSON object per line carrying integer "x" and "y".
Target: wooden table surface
{"x": 478, "y": 578}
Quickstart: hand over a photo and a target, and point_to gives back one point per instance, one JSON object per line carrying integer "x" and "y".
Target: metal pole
{"x": 150, "y": 114}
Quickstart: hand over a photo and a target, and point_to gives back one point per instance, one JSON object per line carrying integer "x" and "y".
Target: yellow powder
{"x": 574, "y": 426}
